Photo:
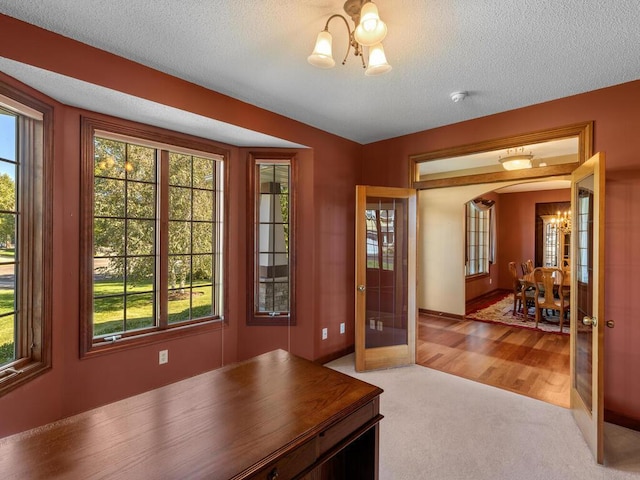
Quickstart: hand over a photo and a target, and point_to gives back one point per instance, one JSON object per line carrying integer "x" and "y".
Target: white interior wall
{"x": 441, "y": 282}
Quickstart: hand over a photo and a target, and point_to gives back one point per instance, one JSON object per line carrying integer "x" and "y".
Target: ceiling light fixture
{"x": 516, "y": 159}
{"x": 369, "y": 32}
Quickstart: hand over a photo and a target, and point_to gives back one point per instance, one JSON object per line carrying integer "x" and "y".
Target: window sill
{"x": 158, "y": 336}
{"x": 477, "y": 276}
{"x": 25, "y": 372}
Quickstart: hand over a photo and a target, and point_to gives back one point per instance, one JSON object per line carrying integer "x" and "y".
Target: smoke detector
{"x": 458, "y": 96}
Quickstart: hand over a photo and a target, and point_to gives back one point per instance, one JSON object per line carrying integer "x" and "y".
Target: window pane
{"x": 265, "y": 208}
{"x": 108, "y": 315}
{"x": 141, "y": 237}
{"x": 179, "y": 271}
{"x": 140, "y": 274}
{"x": 141, "y": 200}
{"x": 179, "y": 305}
{"x": 108, "y": 197}
{"x": 107, "y": 276}
{"x": 140, "y": 311}
{"x": 267, "y": 177}
{"x": 108, "y": 237}
{"x": 8, "y": 135}
{"x": 109, "y": 158}
{"x": 202, "y": 303}
{"x": 202, "y": 205}
{"x": 179, "y": 237}
{"x": 7, "y": 335}
{"x": 7, "y": 237}
{"x": 179, "y": 203}
{"x": 202, "y": 238}
{"x": 203, "y": 173}
{"x": 141, "y": 163}
{"x": 179, "y": 169}
{"x": 202, "y": 267}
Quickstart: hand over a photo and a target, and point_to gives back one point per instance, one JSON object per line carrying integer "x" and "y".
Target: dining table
{"x": 528, "y": 280}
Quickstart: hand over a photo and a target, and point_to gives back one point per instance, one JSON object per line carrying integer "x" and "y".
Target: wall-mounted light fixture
{"x": 516, "y": 159}
{"x": 369, "y": 32}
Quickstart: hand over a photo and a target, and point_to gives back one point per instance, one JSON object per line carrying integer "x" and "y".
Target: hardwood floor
{"x": 528, "y": 362}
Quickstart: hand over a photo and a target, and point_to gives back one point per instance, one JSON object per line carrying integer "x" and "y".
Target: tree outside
{"x": 125, "y": 236}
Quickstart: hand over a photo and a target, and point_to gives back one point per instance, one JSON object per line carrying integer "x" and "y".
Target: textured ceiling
{"x": 506, "y": 53}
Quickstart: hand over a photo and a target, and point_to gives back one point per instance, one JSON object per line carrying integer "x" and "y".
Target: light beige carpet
{"x": 442, "y": 427}
{"x": 501, "y": 311}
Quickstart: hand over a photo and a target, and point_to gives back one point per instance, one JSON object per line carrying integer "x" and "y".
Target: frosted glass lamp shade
{"x": 322, "y": 56}
{"x": 516, "y": 162}
{"x": 377, "y": 61}
{"x": 371, "y": 29}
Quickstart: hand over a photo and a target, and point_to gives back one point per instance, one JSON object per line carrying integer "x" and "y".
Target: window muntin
{"x": 477, "y": 240}
{"x": 157, "y": 235}
{"x": 25, "y": 238}
{"x": 272, "y": 241}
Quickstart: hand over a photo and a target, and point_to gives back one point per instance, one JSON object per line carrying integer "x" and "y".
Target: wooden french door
{"x": 587, "y": 301}
{"x": 385, "y": 288}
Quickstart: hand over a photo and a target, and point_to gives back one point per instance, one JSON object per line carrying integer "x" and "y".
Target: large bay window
{"x": 153, "y": 235}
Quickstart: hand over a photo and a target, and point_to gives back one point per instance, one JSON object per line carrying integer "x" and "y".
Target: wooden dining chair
{"x": 530, "y": 266}
{"x": 546, "y": 278}
{"x": 522, "y": 296}
{"x": 524, "y": 268}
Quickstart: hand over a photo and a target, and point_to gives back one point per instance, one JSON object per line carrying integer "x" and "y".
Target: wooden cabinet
{"x": 275, "y": 416}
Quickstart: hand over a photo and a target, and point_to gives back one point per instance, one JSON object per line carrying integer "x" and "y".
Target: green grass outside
{"x": 109, "y": 319}
{"x": 7, "y": 255}
{"x": 139, "y": 308}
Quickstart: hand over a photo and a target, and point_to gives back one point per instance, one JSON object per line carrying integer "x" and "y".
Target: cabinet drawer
{"x": 290, "y": 465}
{"x": 332, "y": 435}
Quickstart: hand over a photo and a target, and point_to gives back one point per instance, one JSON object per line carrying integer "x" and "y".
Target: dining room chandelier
{"x": 516, "y": 159}
{"x": 562, "y": 222}
{"x": 369, "y": 31}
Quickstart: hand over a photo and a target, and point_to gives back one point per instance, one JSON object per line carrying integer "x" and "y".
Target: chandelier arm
{"x": 351, "y": 39}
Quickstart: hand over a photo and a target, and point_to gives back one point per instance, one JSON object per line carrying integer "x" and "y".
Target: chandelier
{"x": 369, "y": 31}
{"x": 562, "y": 222}
{"x": 516, "y": 159}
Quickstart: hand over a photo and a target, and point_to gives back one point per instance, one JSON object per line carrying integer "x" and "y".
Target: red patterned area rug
{"x": 501, "y": 311}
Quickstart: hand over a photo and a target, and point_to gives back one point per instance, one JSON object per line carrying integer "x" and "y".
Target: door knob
{"x": 361, "y": 288}
{"x": 610, "y": 323}
{"x": 590, "y": 321}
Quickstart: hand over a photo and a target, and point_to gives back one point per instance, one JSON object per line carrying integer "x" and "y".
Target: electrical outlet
{"x": 325, "y": 333}
{"x": 372, "y": 324}
{"x": 380, "y": 325}
{"x": 342, "y": 328}
{"x": 163, "y": 357}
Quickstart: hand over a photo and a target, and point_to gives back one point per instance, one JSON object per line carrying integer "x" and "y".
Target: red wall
{"x": 614, "y": 112}
{"x": 517, "y": 228}
{"x": 328, "y": 171}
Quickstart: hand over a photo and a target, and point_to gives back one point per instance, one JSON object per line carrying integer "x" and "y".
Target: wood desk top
{"x": 222, "y": 424}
